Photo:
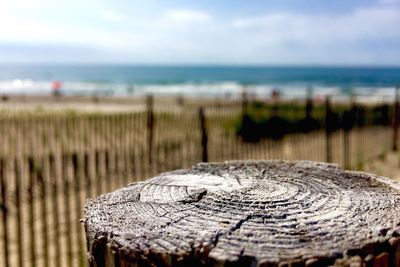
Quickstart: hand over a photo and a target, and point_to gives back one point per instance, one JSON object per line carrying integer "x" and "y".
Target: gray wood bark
{"x": 248, "y": 213}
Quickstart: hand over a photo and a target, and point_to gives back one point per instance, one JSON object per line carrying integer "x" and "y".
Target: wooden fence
{"x": 51, "y": 163}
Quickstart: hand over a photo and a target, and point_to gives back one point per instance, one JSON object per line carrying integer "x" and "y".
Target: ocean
{"x": 205, "y": 81}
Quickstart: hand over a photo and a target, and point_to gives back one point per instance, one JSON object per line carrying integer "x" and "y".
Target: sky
{"x": 241, "y": 32}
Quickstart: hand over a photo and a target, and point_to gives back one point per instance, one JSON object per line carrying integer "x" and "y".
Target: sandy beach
{"x": 387, "y": 165}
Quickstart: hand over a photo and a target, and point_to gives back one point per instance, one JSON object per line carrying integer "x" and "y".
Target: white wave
{"x": 225, "y": 89}
{"x": 196, "y": 89}
{"x": 18, "y": 86}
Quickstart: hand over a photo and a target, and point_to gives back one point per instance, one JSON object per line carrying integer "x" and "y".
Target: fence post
{"x": 150, "y": 126}
{"x": 40, "y": 178}
{"x": 107, "y": 170}
{"x": 4, "y": 209}
{"x": 18, "y": 226}
{"x": 204, "y": 137}
{"x": 180, "y": 100}
{"x": 55, "y": 192}
{"x": 76, "y": 170}
{"x": 67, "y": 205}
{"x": 31, "y": 215}
{"x": 396, "y": 120}
{"x": 309, "y": 103}
{"x": 347, "y": 125}
{"x": 98, "y": 172}
{"x": 245, "y": 102}
{"x": 328, "y": 128}
{"x": 87, "y": 174}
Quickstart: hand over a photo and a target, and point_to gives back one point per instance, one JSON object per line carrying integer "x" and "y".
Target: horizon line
{"x": 230, "y": 65}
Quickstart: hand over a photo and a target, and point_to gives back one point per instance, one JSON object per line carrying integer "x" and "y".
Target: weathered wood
{"x": 249, "y": 213}
{"x": 204, "y": 136}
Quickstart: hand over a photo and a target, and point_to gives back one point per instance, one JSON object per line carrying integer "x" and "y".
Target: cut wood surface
{"x": 248, "y": 213}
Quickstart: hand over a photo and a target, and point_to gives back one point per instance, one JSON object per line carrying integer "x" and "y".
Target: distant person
{"x": 275, "y": 95}
{"x": 56, "y": 88}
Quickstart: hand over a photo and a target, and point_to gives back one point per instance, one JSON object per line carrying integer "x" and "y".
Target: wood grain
{"x": 246, "y": 213}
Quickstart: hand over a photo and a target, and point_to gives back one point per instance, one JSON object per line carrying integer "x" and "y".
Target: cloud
{"x": 360, "y": 25}
{"x": 366, "y": 35}
{"x": 28, "y": 32}
{"x": 113, "y": 16}
{"x": 15, "y": 52}
{"x": 389, "y": 1}
{"x": 11, "y": 4}
{"x": 186, "y": 16}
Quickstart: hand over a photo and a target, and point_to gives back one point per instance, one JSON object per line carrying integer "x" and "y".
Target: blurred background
{"x": 95, "y": 95}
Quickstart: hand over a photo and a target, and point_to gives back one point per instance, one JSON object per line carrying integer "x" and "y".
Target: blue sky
{"x": 340, "y": 32}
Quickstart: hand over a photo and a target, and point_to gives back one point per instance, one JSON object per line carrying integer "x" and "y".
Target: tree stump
{"x": 248, "y": 213}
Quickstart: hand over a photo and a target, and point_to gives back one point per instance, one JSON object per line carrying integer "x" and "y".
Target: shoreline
{"x": 133, "y": 103}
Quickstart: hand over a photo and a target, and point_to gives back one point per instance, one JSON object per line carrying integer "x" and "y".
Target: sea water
{"x": 205, "y": 81}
